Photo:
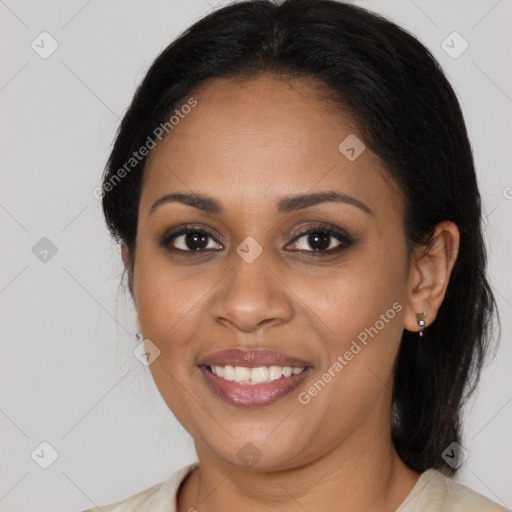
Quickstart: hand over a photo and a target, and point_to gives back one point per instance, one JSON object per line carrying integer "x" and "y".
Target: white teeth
{"x": 229, "y": 374}
{"x": 242, "y": 374}
{"x": 287, "y": 371}
{"x": 260, "y": 374}
{"x": 275, "y": 372}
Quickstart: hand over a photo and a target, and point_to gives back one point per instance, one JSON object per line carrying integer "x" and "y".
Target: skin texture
{"x": 249, "y": 144}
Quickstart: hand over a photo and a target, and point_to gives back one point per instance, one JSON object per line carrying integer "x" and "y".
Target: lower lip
{"x": 253, "y": 395}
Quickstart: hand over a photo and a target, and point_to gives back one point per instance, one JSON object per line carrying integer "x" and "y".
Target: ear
{"x": 429, "y": 273}
{"x": 128, "y": 265}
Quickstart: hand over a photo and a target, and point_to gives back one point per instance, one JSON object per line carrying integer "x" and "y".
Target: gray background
{"x": 68, "y": 375}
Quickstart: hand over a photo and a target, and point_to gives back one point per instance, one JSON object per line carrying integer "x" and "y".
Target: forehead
{"x": 264, "y": 138}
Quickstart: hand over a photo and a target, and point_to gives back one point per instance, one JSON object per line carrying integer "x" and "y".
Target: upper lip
{"x": 252, "y": 359}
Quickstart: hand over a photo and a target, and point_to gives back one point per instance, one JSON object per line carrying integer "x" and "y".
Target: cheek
{"x": 369, "y": 320}
{"x": 352, "y": 297}
{"x": 167, "y": 303}
{"x": 362, "y": 303}
{"x": 168, "y": 309}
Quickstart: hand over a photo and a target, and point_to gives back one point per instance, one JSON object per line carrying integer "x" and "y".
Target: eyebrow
{"x": 285, "y": 205}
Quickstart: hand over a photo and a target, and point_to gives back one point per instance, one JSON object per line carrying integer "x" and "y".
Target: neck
{"x": 362, "y": 473}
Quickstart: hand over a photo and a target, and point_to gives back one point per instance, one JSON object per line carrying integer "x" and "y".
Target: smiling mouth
{"x": 256, "y": 375}
{"x": 253, "y": 378}
{"x": 247, "y": 393}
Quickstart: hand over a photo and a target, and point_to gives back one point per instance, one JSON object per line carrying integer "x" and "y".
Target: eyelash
{"x": 345, "y": 240}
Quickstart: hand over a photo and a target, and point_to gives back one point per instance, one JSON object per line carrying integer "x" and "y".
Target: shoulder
{"x": 157, "y": 498}
{"x": 434, "y": 492}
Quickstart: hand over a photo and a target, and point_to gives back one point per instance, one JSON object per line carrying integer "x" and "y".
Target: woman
{"x": 296, "y": 201}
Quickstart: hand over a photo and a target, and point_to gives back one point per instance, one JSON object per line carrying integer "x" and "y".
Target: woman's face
{"x": 334, "y": 302}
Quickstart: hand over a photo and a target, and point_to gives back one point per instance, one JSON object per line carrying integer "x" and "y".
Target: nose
{"x": 252, "y": 296}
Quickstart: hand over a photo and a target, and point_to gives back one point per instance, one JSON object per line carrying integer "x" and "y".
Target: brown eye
{"x": 190, "y": 240}
{"x": 322, "y": 240}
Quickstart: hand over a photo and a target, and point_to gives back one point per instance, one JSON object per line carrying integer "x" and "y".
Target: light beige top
{"x": 433, "y": 492}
